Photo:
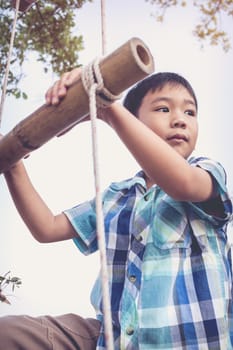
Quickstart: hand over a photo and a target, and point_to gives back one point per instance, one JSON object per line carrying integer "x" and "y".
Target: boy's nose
{"x": 178, "y": 122}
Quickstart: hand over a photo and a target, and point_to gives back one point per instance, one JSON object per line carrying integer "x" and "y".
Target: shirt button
{"x": 130, "y": 331}
{"x": 139, "y": 238}
{"x": 132, "y": 278}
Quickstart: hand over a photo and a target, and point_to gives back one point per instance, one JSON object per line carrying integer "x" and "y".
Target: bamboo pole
{"x": 122, "y": 68}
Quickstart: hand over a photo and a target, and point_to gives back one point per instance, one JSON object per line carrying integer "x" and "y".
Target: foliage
{"x": 5, "y": 281}
{"x": 46, "y": 28}
{"x": 211, "y": 14}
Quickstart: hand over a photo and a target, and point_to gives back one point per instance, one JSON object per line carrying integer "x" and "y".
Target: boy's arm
{"x": 43, "y": 225}
{"x": 162, "y": 164}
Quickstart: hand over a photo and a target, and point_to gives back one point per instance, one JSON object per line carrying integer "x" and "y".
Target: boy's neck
{"x": 149, "y": 182}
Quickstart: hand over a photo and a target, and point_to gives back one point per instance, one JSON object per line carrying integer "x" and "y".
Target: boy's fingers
{"x": 59, "y": 88}
{"x": 55, "y": 93}
{"x": 72, "y": 76}
{"x": 48, "y": 96}
{"x": 64, "y": 80}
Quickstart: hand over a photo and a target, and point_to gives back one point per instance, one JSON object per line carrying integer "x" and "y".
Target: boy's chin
{"x": 185, "y": 155}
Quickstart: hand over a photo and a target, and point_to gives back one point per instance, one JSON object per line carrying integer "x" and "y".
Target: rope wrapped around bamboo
{"x": 121, "y": 69}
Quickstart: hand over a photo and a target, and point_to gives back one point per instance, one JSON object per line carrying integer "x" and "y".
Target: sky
{"x": 56, "y": 277}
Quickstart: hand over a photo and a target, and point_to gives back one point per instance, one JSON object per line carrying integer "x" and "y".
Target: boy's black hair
{"x": 154, "y": 82}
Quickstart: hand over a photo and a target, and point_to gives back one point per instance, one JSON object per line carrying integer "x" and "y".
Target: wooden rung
{"x": 121, "y": 69}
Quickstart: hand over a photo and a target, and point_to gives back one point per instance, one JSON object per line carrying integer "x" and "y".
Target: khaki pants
{"x": 65, "y": 332}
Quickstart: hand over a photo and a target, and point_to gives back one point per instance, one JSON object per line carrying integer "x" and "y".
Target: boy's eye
{"x": 162, "y": 109}
{"x": 190, "y": 112}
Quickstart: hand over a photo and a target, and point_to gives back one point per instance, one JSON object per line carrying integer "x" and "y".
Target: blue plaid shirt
{"x": 169, "y": 266}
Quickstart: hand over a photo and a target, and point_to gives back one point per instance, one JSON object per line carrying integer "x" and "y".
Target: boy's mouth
{"x": 178, "y": 137}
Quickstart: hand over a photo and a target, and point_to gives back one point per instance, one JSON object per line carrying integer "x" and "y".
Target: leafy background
{"x": 56, "y": 278}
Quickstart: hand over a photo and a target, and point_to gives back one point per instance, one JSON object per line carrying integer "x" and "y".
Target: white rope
{"x": 99, "y": 96}
{"x": 4, "y": 87}
{"x": 100, "y": 227}
{"x": 103, "y": 27}
{"x": 91, "y": 74}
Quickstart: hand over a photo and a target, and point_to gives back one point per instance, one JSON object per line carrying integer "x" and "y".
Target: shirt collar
{"x": 138, "y": 179}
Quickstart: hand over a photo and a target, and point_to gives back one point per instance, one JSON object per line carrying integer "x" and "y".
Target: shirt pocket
{"x": 170, "y": 225}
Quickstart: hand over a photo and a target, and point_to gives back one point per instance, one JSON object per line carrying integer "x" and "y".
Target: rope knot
{"x": 93, "y": 83}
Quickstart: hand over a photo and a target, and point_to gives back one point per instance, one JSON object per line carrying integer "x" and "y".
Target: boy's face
{"x": 171, "y": 113}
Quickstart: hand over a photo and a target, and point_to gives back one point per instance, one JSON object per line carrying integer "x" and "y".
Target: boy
{"x": 167, "y": 249}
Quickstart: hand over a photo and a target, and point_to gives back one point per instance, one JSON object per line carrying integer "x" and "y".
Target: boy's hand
{"x": 59, "y": 88}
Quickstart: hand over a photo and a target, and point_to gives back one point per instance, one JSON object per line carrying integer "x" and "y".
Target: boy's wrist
{"x": 14, "y": 169}
{"x": 110, "y": 113}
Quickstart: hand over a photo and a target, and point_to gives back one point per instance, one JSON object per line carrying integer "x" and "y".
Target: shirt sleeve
{"x": 83, "y": 218}
{"x": 218, "y": 174}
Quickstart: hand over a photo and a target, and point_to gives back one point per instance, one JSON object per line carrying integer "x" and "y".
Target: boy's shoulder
{"x": 214, "y": 167}
{"x": 221, "y": 206}
{"x": 126, "y": 184}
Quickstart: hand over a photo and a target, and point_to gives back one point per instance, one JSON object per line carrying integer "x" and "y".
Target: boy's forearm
{"x": 163, "y": 165}
{"x": 151, "y": 152}
{"x": 29, "y": 204}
